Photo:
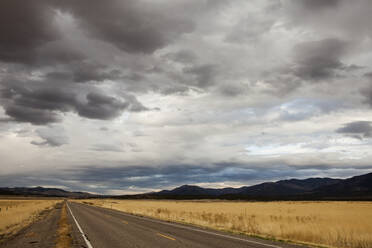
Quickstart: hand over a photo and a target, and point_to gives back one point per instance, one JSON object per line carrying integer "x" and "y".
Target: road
{"x": 106, "y": 228}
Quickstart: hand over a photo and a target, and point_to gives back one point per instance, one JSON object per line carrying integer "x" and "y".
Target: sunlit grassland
{"x": 334, "y": 224}
{"x": 16, "y": 214}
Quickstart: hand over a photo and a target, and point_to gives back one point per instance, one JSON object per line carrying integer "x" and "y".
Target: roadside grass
{"x": 64, "y": 239}
{"x": 325, "y": 224}
{"x": 17, "y": 214}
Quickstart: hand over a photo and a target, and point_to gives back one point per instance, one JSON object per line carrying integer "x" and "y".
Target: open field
{"x": 18, "y": 213}
{"x": 334, "y": 224}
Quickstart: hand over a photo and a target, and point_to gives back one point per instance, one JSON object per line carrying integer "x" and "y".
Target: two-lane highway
{"x": 106, "y": 228}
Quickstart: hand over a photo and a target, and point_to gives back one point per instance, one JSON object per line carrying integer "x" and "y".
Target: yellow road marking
{"x": 125, "y": 222}
{"x": 165, "y": 236}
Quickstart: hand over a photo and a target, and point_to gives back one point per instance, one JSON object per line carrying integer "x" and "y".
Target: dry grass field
{"x": 18, "y": 213}
{"x": 329, "y": 224}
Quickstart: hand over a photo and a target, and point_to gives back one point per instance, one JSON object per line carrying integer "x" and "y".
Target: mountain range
{"x": 354, "y": 188}
{"x": 40, "y": 191}
{"x": 358, "y": 187}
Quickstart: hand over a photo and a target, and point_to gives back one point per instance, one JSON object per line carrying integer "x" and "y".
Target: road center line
{"x": 81, "y": 230}
{"x": 165, "y": 236}
{"x": 188, "y": 228}
{"x": 125, "y": 222}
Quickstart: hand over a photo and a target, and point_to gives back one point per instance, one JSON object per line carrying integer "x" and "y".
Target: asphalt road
{"x": 96, "y": 227}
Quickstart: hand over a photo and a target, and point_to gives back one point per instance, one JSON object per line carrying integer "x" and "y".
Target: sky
{"x": 131, "y": 96}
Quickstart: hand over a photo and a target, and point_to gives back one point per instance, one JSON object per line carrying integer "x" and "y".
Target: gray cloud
{"x": 319, "y": 60}
{"x": 318, "y": 4}
{"x": 328, "y": 16}
{"x": 128, "y": 24}
{"x": 249, "y": 29}
{"x": 24, "y": 27}
{"x": 41, "y": 105}
{"x": 102, "y": 107}
{"x": 203, "y": 75}
{"x": 107, "y": 148}
{"x": 34, "y": 116}
{"x": 367, "y": 91}
{"x": 30, "y": 35}
{"x": 361, "y": 128}
{"x": 249, "y": 83}
{"x": 182, "y": 56}
{"x": 53, "y": 137}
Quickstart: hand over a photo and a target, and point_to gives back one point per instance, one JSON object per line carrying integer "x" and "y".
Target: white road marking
{"x": 81, "y": 230}
{"x": 190, "y": 228}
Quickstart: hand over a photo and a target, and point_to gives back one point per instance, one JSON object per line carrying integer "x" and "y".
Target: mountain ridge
{"x": 353, "y": 188}
{"x": 41, "y": 191}
{"x": 357, "y": 187}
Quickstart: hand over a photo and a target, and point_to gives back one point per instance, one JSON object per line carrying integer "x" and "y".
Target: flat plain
{"x": 328, "y": 224}
{"x": 15, "y": 213}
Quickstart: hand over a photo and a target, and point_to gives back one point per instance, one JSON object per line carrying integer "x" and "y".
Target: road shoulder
{"x": 41, "y": 233}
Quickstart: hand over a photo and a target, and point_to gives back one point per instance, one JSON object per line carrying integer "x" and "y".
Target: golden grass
{"x": 333, "y": 224}
{"x": 64, "y": 239}
{"x": 16, "y": 214}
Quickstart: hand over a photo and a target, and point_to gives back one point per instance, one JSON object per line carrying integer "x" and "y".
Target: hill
{"x": 40, "y": 191}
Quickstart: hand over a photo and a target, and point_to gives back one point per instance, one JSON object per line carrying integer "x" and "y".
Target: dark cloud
{"x": 319, "y": 60}
{"x": 361, "y": 128}
{"x": 102, "y": 107}
{"x": 83, "y": 72}
{"x": 24, "y": 27}
{"x": 31, "y": 115}
{"x": 128, "y": 24}
{"x": 30, "y": 35}
{"x": 42, "y": 105}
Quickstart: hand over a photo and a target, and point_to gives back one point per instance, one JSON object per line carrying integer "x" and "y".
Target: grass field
{"x": 18, "y": 213}
{"x": 333, "y": 224}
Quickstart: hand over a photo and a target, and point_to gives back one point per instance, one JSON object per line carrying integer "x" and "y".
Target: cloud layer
{"x": 187, "y": 91}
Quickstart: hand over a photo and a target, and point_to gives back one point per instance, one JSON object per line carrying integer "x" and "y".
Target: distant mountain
{"x": 196, "y": 190}
{"x": 284, "y": 187}
{"x": 358, "y": 186}
{"x": 312, "y": 188}
{"x": 288, "y": 187}
{"x": 354, "y": 188}
{"x": 40, "y": 191}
